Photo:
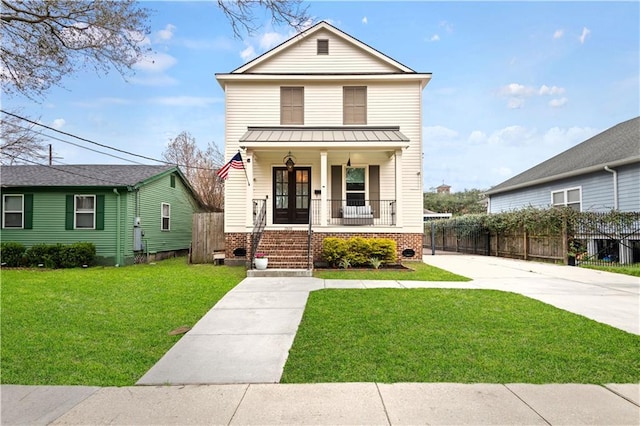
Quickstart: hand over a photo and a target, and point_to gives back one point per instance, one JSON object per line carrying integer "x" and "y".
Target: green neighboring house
{"x": 123, "y": 209}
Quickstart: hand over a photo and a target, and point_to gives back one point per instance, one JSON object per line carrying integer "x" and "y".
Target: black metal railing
{"x": 259, "y": 223}
{"x": 355, "y": 212}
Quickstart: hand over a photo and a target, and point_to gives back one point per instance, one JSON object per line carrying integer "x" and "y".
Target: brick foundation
{"x": 243, "y": 240}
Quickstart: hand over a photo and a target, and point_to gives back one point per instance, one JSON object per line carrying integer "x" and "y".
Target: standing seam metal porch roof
{"x": 324, "y": 134}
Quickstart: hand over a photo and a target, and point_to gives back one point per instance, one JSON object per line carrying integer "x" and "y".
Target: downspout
{"x": 615, "y": 186}
{"x": 118, "y": 230}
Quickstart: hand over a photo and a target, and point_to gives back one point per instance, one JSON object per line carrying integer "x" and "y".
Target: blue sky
{"x": 513, "y": 83}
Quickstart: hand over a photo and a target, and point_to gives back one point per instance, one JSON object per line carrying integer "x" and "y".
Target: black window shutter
{"x": 100, "y": 212}
{"x": 374, "y": 189}
{"x": 28, "y": 211}
{"x": 336, "y": 190}
{"x": 69, "y": 213}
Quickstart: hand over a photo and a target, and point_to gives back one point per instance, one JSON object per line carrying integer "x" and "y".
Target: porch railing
{"x": 259, "y": 222}
{"x": 355, "y": 212}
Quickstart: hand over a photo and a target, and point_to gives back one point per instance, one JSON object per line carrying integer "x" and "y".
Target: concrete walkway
{"x": 228, "y": 366}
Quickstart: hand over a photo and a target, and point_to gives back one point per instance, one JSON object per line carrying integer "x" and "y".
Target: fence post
{"x": 565, "y": 242}
{"x": 526, "y": 245}
{"x": 433, "y": 238}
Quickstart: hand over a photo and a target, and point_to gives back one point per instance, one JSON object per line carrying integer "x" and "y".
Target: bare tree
{"x": 44, "y": 40}
{"x": 199, "y": 167}
{"x": 19, "y": 142}
{"x": 241, "y": 13}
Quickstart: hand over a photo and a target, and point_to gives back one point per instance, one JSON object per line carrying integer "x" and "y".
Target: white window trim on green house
{"x": 12, "y": 211}
{"x": 71, "y": 222}
{"x": 566, "y": 198}
{"x": 166, "y": 216}
{"x": 81, "y": 210}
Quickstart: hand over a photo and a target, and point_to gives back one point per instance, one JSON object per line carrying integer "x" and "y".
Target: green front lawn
{"x": 633, "y": 270}
{"x": 101, "y": 326}
{"x": 417, "y": 271}
{"x": 467, "y": 336}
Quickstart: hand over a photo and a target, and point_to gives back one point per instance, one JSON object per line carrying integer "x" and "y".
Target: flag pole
{"x": 245, "y": 172}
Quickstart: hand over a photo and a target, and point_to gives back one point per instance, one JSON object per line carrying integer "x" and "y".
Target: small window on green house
{"x": 173, "y": 181}
{"x": 166, "y": 217}
{"x": 13, "y": 211}
{"x": 85, "y": 211}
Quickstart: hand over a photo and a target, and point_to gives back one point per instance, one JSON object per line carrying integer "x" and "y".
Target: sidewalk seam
{"x": 620, "y": 395}
{"x": 527, "y": 404}
{"x": 246, "y": 389}
{"x": 384, "y": 407}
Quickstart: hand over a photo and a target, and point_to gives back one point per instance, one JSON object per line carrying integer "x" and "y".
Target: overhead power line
{"x": 102, "y": 145}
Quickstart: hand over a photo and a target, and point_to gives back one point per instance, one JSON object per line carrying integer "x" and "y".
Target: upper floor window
{"x": 354, "y": 105}
{"x": 166, "y": 217}
{"x": 85, "y": 211}
{"x": 13, "y": 211}
{"x": 567, "y": 197}
{"x": 323, "y": 47}
{"x": 291, "y": 105}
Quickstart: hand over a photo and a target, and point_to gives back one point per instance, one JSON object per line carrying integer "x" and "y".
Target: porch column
{"x": 323, "y": 188}
{"x": 249, "y": 192}
{"x": 399, "y": 187}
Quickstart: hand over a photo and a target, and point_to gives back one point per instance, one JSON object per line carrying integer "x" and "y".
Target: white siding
{"x": 302, "y": 57}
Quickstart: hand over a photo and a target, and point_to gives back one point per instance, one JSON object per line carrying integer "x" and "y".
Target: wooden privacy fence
{"x": 207, "y": 237}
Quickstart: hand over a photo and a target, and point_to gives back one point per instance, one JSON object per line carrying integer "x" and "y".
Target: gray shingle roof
{"x": 619, "y": 144}
{"x": 78, "y": 175}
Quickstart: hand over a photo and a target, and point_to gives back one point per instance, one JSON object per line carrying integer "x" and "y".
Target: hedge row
{"x": 48, "y": 255}
{"x": 357, "y": 251}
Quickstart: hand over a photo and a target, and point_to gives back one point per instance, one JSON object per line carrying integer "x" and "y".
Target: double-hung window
{"x": 355, "y": 186}
{"x": 166, "y": 217}
{"x": 354, "y": 108}
{"x": 570, "y": 197}
{"x": 291, "y": 105}
{"x": 13, "y": 211}
{"x": 85, "y": 212}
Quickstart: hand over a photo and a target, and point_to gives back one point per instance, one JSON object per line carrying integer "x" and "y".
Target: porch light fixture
{"x": 349, "y": 161}
{"x": 288, "y": 161}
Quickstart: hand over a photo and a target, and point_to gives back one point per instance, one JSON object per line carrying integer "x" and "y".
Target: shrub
{"x": 375, "y": 262}
{"x": 12, "y": 253}
{"x": 61, "y": 255}
{"x": 358, "y": 251}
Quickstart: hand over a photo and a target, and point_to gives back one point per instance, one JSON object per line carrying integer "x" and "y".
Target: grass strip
{"x": 466, "y": 336}
{"x": 418, "y": 271}
{"x": 101, "y": 326}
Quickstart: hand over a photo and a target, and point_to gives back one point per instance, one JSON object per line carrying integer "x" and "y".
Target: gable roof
{"x": 616, "y": 146}
{"x": 322, "y": 25}
{"x": 82, "y": 175}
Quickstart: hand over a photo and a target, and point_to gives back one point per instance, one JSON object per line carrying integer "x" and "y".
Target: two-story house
{"x": 330, "y": 132}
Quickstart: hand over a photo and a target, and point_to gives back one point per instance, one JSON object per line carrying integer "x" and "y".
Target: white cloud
{"x": 188, "y": 101}
{"x": 502, "y": 172}
{"x": 271, "y": 39}
{"x": 58, "y": 123}
{"x": 439, "y": 133}
{"x": 167, "y": 33}
{"x": 554, "y": 90}
{"x": 559, "y": 102}
{"x": 365, "y": 20}
{"x": 515, "y": 89}
{"x": 565, "y": 138}
{"x": 558, "y": 34}
{"x": 512, "y": 136}
{"x": 515, "y": 103}
{"x": 248, "y": 53}
{"x": 448, "y": 27}
{"x": 156, "y": 62}
{"x": 159, "y": 79}
{"x": 585, "y": 32}
{"x": 477, "y": 137}
{"x": 100, "y": 102}
{"x": 435, "y": 37}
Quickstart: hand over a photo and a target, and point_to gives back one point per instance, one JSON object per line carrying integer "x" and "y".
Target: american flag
{"x": 234, "y": 163}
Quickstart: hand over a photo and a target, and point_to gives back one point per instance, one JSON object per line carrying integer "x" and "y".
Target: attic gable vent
{"x": 323, "y": 47}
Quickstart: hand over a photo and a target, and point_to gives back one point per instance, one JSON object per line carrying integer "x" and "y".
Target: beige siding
{"x": 388, "y": 104}
{"x": 343, "y": 57}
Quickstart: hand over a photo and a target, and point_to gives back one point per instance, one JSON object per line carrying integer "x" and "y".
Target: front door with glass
{"x": 291, "y": 195}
